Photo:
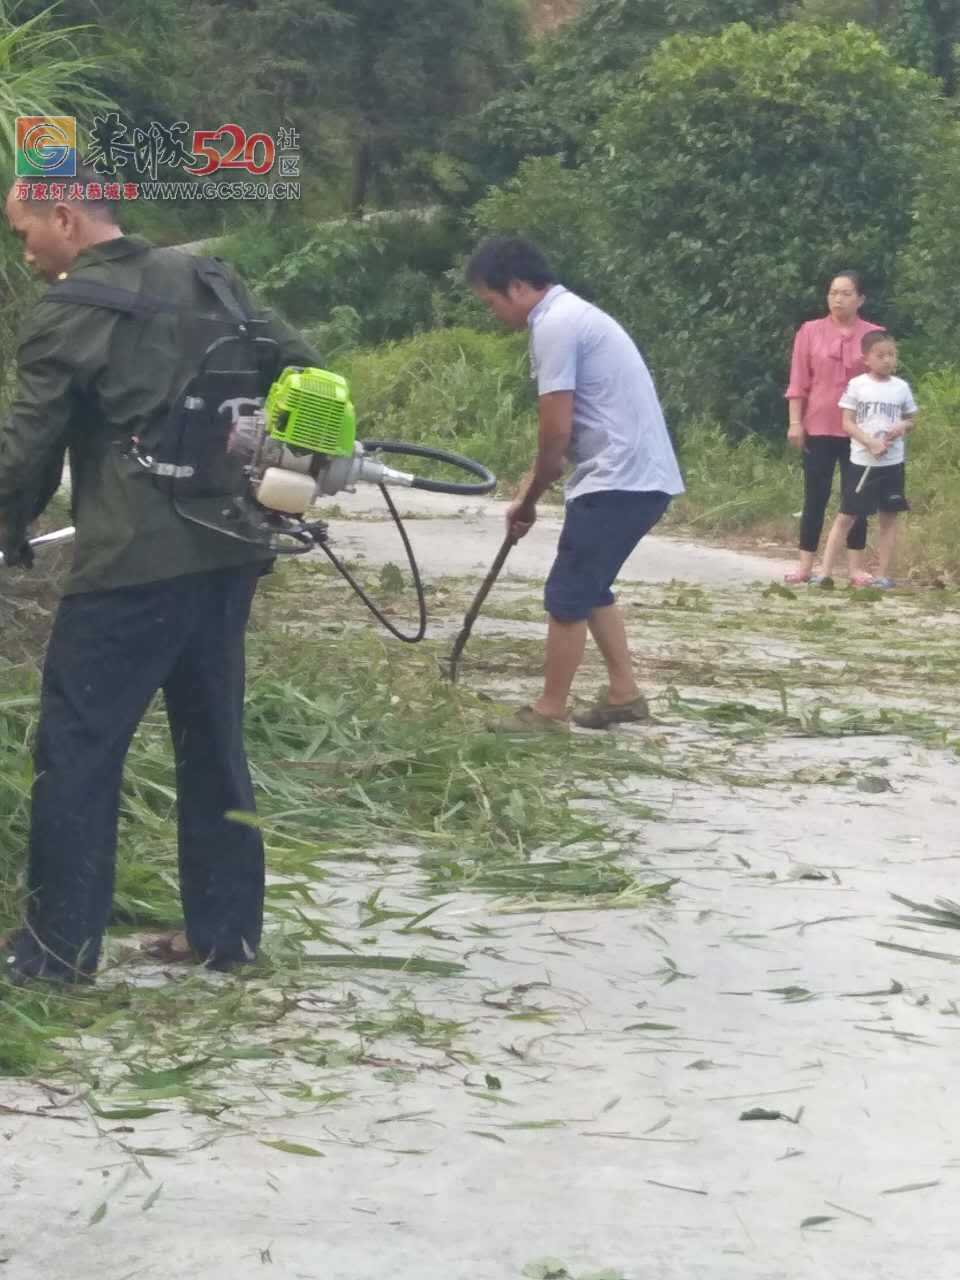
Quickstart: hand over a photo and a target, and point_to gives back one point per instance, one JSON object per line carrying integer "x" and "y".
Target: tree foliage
{"x": 405, "y": 72}
{"x": 375, "y": 88}
{"x": 742, "y": 172}
{"x": 922, "y": 33}
{"x": 737, "y": 175}
{"x": 385, "y": 269}
{"x": 552, "y": 205}
{"x": 579, "y": 73}
{"x": 928, "y": 277}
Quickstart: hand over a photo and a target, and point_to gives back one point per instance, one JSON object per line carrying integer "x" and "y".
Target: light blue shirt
{"x": 620, "y": 438}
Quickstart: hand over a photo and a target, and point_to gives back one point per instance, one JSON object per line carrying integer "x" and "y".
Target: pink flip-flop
{"x": 796, "y": 577}
{"x": 861, "y": 580}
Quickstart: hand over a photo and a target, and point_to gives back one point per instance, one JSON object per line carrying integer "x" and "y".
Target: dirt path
{"x": 578, "y": 1092}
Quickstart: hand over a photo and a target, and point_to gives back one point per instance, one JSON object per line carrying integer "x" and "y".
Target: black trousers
{"x": 109, "y": 653}
{"x": 821, "y": 455}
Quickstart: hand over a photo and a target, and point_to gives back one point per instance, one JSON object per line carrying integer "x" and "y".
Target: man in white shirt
{"x": 599, "y": 412}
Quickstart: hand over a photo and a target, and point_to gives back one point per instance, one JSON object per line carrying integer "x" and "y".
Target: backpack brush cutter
{"x": 250, "y": 466}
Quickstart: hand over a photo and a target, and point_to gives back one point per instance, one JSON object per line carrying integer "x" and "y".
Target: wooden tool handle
{"x": 506, "y": 547}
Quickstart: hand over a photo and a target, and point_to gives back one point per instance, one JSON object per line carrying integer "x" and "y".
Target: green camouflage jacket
{"x": 89, "y": 379}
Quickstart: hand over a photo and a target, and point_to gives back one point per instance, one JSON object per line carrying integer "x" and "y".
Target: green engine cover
{"x": 310, "y": 409}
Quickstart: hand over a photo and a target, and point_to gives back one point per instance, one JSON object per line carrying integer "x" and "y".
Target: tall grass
{"x": 930, "y": 534}
{"x": 454, "y": 388}
{"x": 735, "y": 485}
{"x": 44, "y": 71}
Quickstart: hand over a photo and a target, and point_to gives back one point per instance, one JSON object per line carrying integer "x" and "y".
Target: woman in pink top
{"x": 826, "y": 355}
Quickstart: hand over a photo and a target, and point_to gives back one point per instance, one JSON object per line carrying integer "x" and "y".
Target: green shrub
{"x": 551, "y": 205}
{"x": 259, "y": 244}
{"x": 929, "y": 273}
{"x": 742, "y": 171}
{"x": 735, "y": 484}
{"x": 454, "y": 388}
{"x": 929, "y": 533}
{"x": 387, "y": 269}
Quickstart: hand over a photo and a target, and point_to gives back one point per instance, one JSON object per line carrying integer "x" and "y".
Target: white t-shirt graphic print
{"x": 878, "y": 403}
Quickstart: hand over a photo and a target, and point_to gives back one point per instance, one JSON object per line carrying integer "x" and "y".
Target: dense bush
{"x": 387, "y": 269}
{"x": 929, "y": 541}
{"x": 455, "y": 388}
{"x": 744, "y": 170}
{"x": 740, "y": 172}
{"x": 576, "y": 75}
{"x": 928, "y": 275}
{"x": 551, "y": 205}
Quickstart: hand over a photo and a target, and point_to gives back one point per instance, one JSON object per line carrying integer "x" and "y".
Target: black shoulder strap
{"x": 91, "y": 293}
{"x": 214, "y": 275}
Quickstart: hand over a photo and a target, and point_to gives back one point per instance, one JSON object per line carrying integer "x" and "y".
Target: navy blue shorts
{"x": 883, "y": 490}
{"x": 599, "y": 532}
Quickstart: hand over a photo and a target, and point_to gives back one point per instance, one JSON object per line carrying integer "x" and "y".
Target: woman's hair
{"x": 506, "y": 258}
{"x": 854, "y": 277}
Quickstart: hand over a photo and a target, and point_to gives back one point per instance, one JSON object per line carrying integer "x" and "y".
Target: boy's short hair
{"x": 874, "y": 338}
{"x": 506, "y": 258}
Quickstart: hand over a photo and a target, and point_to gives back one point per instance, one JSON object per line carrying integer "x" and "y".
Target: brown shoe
{"x": 528, "y": 720}
{"x": 605, "y": 713}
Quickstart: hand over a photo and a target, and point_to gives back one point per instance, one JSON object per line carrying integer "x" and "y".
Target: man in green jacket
{"x": 153, "y": 601}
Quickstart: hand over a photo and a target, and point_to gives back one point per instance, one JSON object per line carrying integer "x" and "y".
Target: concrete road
{"x": 458, "y": 537}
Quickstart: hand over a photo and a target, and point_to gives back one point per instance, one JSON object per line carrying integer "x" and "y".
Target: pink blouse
{"x": 825, "y": 358}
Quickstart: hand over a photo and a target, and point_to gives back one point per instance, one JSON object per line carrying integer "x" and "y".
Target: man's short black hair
{"x": 98, "y": 207}
{"x": 506, "y": 258}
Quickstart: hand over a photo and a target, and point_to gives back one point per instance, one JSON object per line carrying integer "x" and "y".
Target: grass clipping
{"x": 359, "y": 750}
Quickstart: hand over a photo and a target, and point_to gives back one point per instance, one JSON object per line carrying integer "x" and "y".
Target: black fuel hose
{"x": 416, "y": 636}
{"x": 487, "y": 480}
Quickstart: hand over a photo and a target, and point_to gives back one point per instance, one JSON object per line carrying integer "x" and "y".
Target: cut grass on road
{"x": 357, "y": 746}
{"x": 515, "y": 972}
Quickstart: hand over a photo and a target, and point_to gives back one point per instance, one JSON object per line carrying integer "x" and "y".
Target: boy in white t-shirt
{"x": 878, "y": 412}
